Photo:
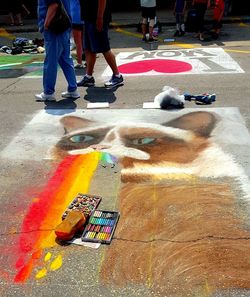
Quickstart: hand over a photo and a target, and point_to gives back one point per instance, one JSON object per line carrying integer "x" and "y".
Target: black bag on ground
{"x": 61, "y": 21}
{"x": 191, "y": 22}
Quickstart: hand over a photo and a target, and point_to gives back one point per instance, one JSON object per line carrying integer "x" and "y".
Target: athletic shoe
{"x": 177, "y": 33}
{"x": 86, "y": 82}
{"x": 45, "y": 97}
{"x": 78, "y": 66}
{"x": 152, "y": 39}
{"x": 71, "y": 95}
{"x": 114, "y": 82}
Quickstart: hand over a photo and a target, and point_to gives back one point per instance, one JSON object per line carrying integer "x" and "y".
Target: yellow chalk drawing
{"x": 47, "y": 257}
{"x": 4, "y": 33}
{"x": 50, "y": 266}
{"x": 41, "y": 273}
{"x": 57, "y": 263}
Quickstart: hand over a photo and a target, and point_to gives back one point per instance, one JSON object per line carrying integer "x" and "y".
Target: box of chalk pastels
{"x": 83, "y": 202}
{"x": 101, "y": 226}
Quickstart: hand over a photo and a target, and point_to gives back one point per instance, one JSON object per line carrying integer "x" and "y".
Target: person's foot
{"x": 201, "y": 38}
{"x": 152, "y": 39}
{"x": 144, "y": 39}
{"x": 78, "y": 66}
{"x": 45, "y": 97}
{"x": 86, "y": 81}
{"x": 71, "y": 95}
{"x": 177, "y": 33}
{"x": 115, "y": 81}
{"x": 215, "y": 35}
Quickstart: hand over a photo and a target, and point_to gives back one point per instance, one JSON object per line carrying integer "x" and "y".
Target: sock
{"x": 88, "y": 76}
{"x": 118, "y": 75}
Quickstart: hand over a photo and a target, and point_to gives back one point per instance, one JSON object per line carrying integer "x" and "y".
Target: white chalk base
{"x": 98, "y": 105}
{"x": 151, "y": 105}
{"x": 78, "y": 241}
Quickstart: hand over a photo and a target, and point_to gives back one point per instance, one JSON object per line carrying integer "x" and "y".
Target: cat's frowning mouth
{"x": 116, "y": 151}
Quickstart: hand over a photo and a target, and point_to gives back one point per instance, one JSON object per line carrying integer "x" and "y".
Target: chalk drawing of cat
{"x": 181, "y": 230}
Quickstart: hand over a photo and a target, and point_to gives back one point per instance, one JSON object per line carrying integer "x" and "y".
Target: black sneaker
{"x": 152, "y": 39}
{"x": 177, "y": 33}
{"x": 114, "y": 82}
{"x": 86, "y": 82}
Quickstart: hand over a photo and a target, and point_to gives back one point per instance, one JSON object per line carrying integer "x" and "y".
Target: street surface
{"x": 179, "y": 178}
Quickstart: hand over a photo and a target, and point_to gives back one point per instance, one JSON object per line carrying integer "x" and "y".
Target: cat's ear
{"x": 200, "y": 122}
{"x": 71, "y": 123}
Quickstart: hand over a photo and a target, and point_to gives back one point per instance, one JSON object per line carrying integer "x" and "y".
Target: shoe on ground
{"x": 152, "y": 39}
{"x": 114, "y": 82}
{"x": 45, "y": 97}
{"x": 86, "y": 82}
{"x": 71, "y": 95}
{"x": 177, "y": 33}
{"x": 201, "y": 38}
{"x": 78, "y": 66}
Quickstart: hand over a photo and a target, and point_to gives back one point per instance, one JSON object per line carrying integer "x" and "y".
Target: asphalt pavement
{"x": 194, "y": 240}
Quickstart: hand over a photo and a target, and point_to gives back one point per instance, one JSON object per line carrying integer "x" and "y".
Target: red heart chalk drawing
{"x": 157, "y": 65}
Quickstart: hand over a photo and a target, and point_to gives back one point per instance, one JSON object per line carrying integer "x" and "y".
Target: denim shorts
{"x": 95, "y": 41}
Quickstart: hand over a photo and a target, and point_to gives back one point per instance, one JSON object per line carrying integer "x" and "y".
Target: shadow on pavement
{"x": 100, "y": 94}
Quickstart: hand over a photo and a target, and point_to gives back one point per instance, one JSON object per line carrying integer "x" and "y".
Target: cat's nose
{"x": 99, "y": 147}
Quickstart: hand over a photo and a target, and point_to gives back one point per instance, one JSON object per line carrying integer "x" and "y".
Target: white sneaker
{"x": 45, "y": 97}
{"x": 72, "y": 95}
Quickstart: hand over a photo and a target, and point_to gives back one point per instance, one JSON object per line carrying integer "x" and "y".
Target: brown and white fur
{"x": 181, "y": 230}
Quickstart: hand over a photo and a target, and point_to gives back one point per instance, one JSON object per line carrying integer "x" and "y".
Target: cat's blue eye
{"x": 81, "y": 138}
{"x": 143, "y": 141}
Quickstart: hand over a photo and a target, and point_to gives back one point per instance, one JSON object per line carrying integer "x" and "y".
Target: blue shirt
{"x": 42, "y": 9}
{"x": 75, "y": 10}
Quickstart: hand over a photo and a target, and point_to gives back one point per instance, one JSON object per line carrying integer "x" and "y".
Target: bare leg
{"x": 150, "y": 31}
{"x": 77, "y": 34}
{"x": 110, "y": 58}
{"x": 90, "y": 60}
{"x": 19, "y": 19}
{"x": 11, "y": 17}
{"x": 144, "y": 30}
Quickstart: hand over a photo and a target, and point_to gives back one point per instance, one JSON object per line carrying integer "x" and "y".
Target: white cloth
{"x": 148, "y": 3}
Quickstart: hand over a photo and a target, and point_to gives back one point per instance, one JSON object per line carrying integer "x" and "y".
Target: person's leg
{"x": 89, "y": 43}
{"x": 90, "y": 60}
{"x": 182, "y": 24}
{"x": 144, "y": 28}
{"x": 178, "y": 28}
{"x": 66, "y": 61}
{"x": 50, "y": 62}
{"x": 110, "y": 59}
{"x": 49, "y": 68}
{"x": 201, "y": 9}
{"x": 151, "y": 27}
{"x": 152, "y": 17}
{"x": 77, "y": 35}
{"x": 19, "y": 19}
{"x": 11, "y": 18}
{"x": 144, "y": 22}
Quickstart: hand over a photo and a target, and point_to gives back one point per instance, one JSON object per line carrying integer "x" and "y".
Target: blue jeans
{"x": 57, "y": 47}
